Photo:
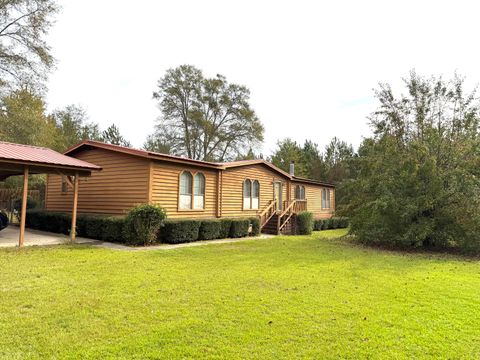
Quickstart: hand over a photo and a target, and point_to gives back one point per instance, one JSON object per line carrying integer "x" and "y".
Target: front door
{"x": 277, "y": 195}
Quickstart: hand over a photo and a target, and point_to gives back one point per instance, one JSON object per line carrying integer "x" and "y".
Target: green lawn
{"x": 287, "y": 297}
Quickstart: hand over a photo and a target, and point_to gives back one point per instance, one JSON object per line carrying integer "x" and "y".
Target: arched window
{"x": 247, "y": 194}
{"x": 325, "y": 198}
{"x": 199, "y": 191}
{"x": 300, "y": 192}
{"x": 186, "y": 190}
{"x": 255, "y": 194}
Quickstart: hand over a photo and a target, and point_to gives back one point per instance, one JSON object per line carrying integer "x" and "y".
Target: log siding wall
{"x": 127, "y": 180}
{"x": 122, "y": 183}
{"x": 166, "y": 187}
{"x": 232, "y": 189}
{"x": 313, "y": 195}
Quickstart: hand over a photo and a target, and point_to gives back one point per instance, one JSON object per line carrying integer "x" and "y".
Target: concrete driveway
{"x": 9, "y": 238}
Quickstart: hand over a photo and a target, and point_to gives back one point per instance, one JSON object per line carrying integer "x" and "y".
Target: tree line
{"x": 24, "y": 120}
{"x": 417, "y": 181}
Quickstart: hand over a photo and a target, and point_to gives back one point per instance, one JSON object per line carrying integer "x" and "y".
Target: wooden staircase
{"x": 271, "y": 227}
{"x": 274, "y": 222}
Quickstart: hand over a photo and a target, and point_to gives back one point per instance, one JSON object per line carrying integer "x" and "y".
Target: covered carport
{"x": 17, "y": 159}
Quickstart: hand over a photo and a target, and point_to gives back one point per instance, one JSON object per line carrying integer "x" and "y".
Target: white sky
{"x": 310, "y": 65}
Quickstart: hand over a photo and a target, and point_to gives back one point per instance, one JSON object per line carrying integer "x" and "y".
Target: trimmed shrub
{"x": 143, "y": 223}
{"x": 318, "y": 225}
{"x": 305, "y": 223}
{"x": 255, "y": 222}
{"x": 209, "y": 229}
{"x": 113, "y": 230}
{"x": 225, "y": 225}
{"x": 239, "y": 228}
{"x": 49, "y": 221}
{"x": 179, "y": 231}
{"x": 94, "y": 226}
{"x": 332, "y": 223}
{"x": 105, "y": 228}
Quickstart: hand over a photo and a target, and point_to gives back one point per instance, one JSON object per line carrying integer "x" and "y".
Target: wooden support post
{"x": 23, "y": 216}
{"x": 73, "y": 230}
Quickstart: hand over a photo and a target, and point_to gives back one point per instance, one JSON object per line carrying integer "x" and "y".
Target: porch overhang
{"x": 18, "y": 159}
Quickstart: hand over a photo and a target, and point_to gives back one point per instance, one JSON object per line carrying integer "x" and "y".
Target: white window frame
{"x": 255, "y": 201}
{"x": 199, "y": 205}
{"x": 247, "y": 199}
{"x": 185, "y": 198}
{"x": 326, "y": 199}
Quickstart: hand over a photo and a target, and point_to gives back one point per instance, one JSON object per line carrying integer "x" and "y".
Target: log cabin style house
{"x": 189, "y": 188}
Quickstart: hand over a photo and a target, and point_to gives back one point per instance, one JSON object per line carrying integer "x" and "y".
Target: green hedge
{"x": 179, "y": 231}
{"x": 182, "y": 231}
{"x": 239, "y": 228}
{"x": 115, "y": 229}
{"x": 305, "y": 223}
{"x": 210, "y": 229}
{"x": 332, "y": 223}
{"x": 105, "y": 228}
{"x": 225, "y": 225}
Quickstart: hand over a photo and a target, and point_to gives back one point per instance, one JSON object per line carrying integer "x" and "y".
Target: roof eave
{"x": 314, "y": 182}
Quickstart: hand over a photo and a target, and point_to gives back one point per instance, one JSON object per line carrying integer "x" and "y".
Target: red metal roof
{"x": 41, "y": 156}
{"x": 141, "y": 153}
{"x": 179, "y": 159}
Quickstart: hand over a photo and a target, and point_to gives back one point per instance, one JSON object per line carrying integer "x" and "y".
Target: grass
{"x": 288, "y": 297}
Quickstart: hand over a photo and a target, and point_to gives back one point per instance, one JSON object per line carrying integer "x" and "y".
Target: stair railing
{"x": 267, "y": 213}
{"x": 288, "y": 212}
{"x": 300, "y": 206}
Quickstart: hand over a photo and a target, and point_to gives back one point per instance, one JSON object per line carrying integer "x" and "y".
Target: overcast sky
{"x": 310, "y": 65}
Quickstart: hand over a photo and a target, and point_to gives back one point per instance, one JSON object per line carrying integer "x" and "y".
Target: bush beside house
{"x": 209, "y": 229}
{"x": 105, "y": 228}
{"x": 143, "y": 223}
{"x": 141, "y": 226}
{"x": 332, "y": 223}
{"x": 179, "y": 231}
{"x": 305, "y": 223}
{"x": 239, "y": 228}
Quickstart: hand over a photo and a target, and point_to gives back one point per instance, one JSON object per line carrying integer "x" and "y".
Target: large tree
{"x": 205, "y": 118}
{"x": 73, "y": 126}
{"x": 418, "y": 181}
{"x": 24, "y": 55}
{"x": 289, "y": 151}
{"x": 333, "y": 165}
{"x": 156, "y": 144}
{"x": 113, "y": 136}
{"x": 337, "y": 160}
{"x": 23, "y": 120}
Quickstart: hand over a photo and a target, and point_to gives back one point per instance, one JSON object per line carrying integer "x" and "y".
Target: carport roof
{"x": 13, "y": 157}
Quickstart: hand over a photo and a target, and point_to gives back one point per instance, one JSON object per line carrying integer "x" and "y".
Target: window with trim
{"x": 251, "y": 194}
{"x": 300, "y": 192}
{"x": 64, "y": 184}
{"x": 186, "y": 182}
{"x": 247, "y": 194}
{"x": 192, "y": 191}
{"x": 325, "y": 198}
{"x": 199, "y": 193}
{"x": 255, "y": 194}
